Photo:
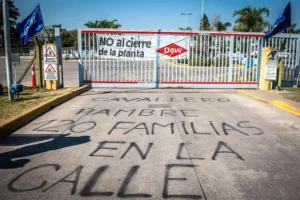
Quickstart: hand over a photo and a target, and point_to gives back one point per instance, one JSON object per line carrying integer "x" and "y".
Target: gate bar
{"x": 80, "y": 67}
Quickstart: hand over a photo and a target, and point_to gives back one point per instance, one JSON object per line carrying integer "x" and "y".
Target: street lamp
{"x": 202, "y": 14}
{"x": 185, "y": 14}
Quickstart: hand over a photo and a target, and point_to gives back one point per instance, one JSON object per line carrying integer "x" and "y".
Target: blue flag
{"x": 282, "y": 23}
{"x": 32, "y": 25}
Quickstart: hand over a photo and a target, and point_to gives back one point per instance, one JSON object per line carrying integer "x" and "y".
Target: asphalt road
{"x": 155, "y": 144}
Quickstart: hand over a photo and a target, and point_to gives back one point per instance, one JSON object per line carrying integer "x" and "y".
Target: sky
{"x": 147, "y": 14}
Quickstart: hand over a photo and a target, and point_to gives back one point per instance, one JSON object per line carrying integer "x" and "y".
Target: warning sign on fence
{"x": 49, "y": 53}
{"x": 140, "y": 47}
{"x": 271, "y": 70}
{"x": 50, "y": 71}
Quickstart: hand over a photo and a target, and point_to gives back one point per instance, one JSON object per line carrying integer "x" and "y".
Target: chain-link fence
{"x": 17, "y": 47}
{"x": 29, "y": 50}
{"x": 25, "y": 51}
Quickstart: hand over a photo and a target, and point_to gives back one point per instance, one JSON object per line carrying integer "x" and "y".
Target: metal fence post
{"x": 279, "y": 75}
{"x": 59, "y": 45}
{"x": 38, "y": 57}
{"x": 155, "y": 73}
{"x": 7, "y": 48}
{"x": 80, "y": 67}
{"x": 260, "y": 46}
{"x": 297, "y": 63}
{"x": 230, "y": 59}
{"x": 296, "y": 77}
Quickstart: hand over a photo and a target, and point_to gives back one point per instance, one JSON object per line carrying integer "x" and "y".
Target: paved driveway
{"x": 155, "y": 144}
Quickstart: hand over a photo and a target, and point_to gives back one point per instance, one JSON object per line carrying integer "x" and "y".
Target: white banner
{"x": 143, "y": 47}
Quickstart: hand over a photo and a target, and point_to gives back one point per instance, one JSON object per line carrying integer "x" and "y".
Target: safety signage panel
{"x": 49, "y": 53}
{"x": 271, "y": 70}
{"x": 143, "y": 47}
{"x": 50, "y": 71}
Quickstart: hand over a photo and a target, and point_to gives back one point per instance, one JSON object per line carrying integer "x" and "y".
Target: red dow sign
{"x": 172, "y": 50}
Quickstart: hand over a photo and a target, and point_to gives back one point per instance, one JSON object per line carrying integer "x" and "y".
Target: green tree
{"x": 217, "y": 25}
{"x": 250, "y": 19}
{"x": 292, "y": 29}
{"x": 103, "y": 24}
{"x": 68, "y": 39}
{"x": 13, "y": 16}
{"x": 204, "y": 23}
{"x": 74, "y": 35}
{"x": 222, "y": 26}
{"x": 187, "y": 29}
{"x": 47, "y": 35}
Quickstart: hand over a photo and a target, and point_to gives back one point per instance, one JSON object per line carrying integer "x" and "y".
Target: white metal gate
{"x": 214, "y": 60}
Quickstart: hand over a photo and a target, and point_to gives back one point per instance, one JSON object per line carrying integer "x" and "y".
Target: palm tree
{"x": 103, "y": 24}
{"x": 219, "y": 26}
{"x": 292, "y": 29}
{"x": 187, "y": 29}
{"x": 251, "y": 19}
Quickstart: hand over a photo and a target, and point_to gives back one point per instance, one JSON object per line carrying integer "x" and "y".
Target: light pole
{"x": 185, "y": 14}
{"x": 202, "y": 14}
{"x": 6, "y": 27}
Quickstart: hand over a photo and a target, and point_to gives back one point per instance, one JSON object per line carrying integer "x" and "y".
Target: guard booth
{"x": 186, "y": 59}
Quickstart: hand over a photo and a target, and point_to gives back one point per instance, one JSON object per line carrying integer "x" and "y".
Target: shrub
{"x": 204, "y": 61}
{"x": 224, "y": 61}
{"x": 183, "y": 61}
{"x": 200, "y": 61}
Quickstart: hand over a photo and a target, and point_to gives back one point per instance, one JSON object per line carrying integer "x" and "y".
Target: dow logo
{"x": 172, "y": 50}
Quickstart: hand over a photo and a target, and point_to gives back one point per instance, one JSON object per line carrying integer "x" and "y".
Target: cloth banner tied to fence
{"x": 137, "y": 47}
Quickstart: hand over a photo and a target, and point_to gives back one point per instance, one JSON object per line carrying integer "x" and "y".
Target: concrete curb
{"x": 278, "y": 103}
{"x": 20, "y": 120}
{"x": 286, "y": 106}
{"x": 253, "y": 96}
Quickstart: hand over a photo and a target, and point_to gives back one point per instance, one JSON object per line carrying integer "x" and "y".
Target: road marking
{"x": 278, "y": 103}
{"x": 285, "y": 106}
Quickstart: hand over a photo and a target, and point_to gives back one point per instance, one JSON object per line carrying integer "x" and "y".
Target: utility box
{"x": 16, "y": 89}
{"x": 250, "y": 62}
{"x": 268, "y": 68}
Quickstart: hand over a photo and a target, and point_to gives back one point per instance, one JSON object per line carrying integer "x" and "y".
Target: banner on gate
{"x": 142, "y": 47}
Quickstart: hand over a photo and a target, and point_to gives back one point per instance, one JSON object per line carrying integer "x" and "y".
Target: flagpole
{"x": 7, "y": 48}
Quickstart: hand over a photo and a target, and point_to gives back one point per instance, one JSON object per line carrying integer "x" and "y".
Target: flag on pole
{"x": 32, "y": 25}
{"x": 282, "y": 23}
